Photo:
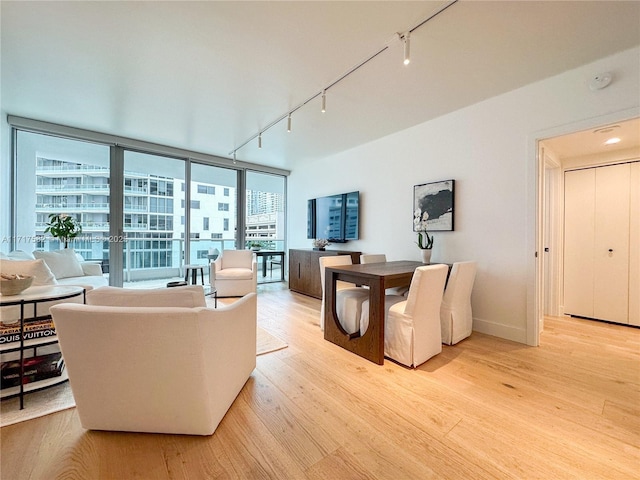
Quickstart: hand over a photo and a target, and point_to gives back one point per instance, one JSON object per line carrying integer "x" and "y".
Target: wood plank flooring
{"x": 483, "y": 409}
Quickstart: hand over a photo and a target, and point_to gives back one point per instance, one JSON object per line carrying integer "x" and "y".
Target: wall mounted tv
{"x": 335, "y": 217}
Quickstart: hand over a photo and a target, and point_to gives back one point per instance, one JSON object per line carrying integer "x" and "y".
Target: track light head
{"x": 234, "y": 157}
{"x": 260, "y": 140}
{"x": 289, "y": 123}
{"x": 324, "y": 102}
{"x": 407, "y": 57}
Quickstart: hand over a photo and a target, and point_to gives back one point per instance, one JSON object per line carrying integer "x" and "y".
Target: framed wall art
{"x": 433, "y": 206}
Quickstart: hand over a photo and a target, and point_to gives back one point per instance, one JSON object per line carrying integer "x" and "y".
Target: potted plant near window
{"x": 63, "y": 227}
{"x": 255, "y": 246}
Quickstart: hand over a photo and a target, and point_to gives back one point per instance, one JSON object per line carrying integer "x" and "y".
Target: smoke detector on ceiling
{"x": 600, "y": 81}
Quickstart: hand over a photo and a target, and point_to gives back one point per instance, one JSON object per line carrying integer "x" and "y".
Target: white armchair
{"x": 153, "y": 367}
{"x": 455, "y": 314}
{"x": 234, "y": 273}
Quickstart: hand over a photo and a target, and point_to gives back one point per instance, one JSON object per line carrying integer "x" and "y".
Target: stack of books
{"x": 32, "y": 330}
{"x": 35, "y": 369}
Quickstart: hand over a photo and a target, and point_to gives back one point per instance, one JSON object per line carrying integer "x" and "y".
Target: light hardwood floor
{"x": 485, "y": 408}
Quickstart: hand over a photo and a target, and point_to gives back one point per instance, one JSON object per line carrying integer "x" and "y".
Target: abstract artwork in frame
{"x": 433, "y": 206}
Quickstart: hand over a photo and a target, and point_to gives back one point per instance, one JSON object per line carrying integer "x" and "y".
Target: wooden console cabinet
{"x": 304, "y": 269}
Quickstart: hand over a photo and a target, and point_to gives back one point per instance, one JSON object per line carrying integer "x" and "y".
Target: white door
{"x": 597, "y": 210}
{"x": 634, "y": 247}
{"x": 611, "y": 254}
{"x": 579, "y": 238}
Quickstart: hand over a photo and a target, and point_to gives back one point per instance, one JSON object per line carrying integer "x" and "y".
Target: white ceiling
{"x": 593, "y": 141}
{"x": 207, "y": 76}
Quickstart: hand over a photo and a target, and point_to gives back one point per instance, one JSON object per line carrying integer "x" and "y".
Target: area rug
{"x": 55, "y": 399}
{"x": 267, "y": 343}
{"x": 36, "y": 404}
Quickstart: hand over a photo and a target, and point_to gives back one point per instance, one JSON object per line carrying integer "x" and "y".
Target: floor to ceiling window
{"x": 61, "y": 176}
{"x": 166, "y": 211}
{"x": 153, "y": 218}
{"x": 265, "y": 221}
{"x": 213, "y": 212}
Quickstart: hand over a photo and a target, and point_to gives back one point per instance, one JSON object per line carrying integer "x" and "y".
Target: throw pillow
{"x": 20, "y": 255}
{"x": 36, "y": 268}
{"x": 63, "y": 263}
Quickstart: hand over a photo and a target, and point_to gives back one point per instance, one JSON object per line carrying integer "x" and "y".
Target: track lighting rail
{"x": 322, "y": 93}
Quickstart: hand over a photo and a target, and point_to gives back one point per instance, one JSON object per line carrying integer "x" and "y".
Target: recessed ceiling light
{"x": 612, "y": 141}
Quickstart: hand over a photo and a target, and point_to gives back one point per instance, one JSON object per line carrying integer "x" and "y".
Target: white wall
{"x": 489, "y": 149}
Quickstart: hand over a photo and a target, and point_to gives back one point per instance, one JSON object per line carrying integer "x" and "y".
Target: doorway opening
{"x": 584, "y": 149}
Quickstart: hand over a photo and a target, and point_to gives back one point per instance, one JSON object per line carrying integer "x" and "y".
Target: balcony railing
{"x": 136, "y": 208}
{"x": 71, "y": 168}
{"x": 75, "y": 187}
{"x": 72, "y": 206}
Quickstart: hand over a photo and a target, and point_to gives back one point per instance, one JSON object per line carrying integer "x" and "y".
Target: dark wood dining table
{"x": 378, "y": 277}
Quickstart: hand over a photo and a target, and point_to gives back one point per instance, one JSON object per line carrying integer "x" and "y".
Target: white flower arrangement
{"x": 425, "y": 242}
{"x": 320, "y": 242}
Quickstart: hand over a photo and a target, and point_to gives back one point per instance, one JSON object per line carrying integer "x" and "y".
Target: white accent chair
{"x": 349, "y": 298}
{"x": 159, "y": 362}
{"x": 234, "y": 273}
{"x": 412, "y": 325}
{"x": 455, "y": 314}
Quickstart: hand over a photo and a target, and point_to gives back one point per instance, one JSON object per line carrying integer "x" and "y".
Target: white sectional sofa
{"x": 60, "y": 267}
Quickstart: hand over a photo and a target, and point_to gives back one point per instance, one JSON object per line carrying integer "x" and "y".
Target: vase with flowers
{"x": 320, "y": 243}
{"x": 63, "y": 227}
{"x": 425, "y": 241}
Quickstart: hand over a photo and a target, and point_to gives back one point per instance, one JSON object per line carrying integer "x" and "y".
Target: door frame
{"x": 552, "y": 237}
{"x": 535, "y": 211}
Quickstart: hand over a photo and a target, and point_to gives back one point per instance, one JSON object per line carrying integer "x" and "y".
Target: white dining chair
{"x": 349, "y": 298}
{"x": 412, "y": 325}
{"x": 381, "y": 258}
{"x": 456, "y": 318}
{"x": 373, "y": 258}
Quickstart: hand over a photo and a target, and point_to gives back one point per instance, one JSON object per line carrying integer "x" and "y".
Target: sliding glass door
{"x": 153, "y": 219}
{"x": 265, "y": 222}
{"x": 213, "y": 212}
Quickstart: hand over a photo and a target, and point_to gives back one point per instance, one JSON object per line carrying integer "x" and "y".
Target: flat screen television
{"x": 335, "y": 217}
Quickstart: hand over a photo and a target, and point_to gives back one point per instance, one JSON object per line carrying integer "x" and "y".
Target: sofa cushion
{"x": 237, "y": 259}
{"x": 87, "y": 281}
{"x": 190, "y": 296}
{"x": 63, "y": 263}
{"x": 234, "y": 274}
{"x": 91, "y": 268}
{"x": 38, "y": 269}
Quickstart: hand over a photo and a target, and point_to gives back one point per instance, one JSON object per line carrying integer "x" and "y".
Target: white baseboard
{"x": 507, "y": 332}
